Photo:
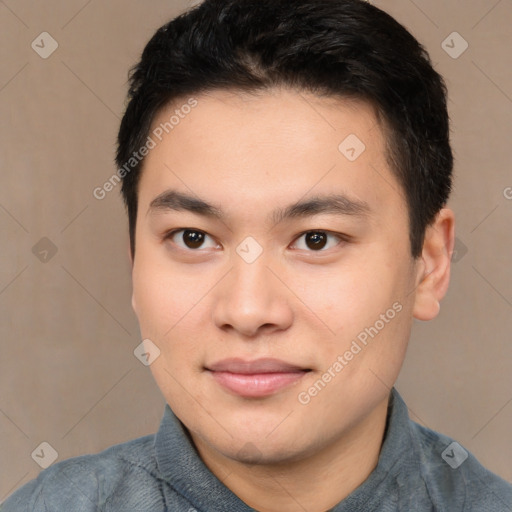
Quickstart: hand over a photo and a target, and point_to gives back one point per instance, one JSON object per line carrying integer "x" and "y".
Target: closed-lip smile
{"x": 255, "y": 379}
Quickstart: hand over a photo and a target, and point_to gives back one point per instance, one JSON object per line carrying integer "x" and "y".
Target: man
{"x": 286, "y": 168}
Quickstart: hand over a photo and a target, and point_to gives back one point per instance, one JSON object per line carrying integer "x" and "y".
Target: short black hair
{"x": 336, "y": 48}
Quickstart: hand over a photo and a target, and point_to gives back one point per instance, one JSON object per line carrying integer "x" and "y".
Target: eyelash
{"x": 341, "y": 237}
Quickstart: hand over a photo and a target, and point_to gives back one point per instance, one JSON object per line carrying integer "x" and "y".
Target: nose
{"x": 251, "y": 300}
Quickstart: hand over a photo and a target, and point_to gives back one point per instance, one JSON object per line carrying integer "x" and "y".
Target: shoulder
{"x": 454, "y": 478}
{"x": 85, "y": 482}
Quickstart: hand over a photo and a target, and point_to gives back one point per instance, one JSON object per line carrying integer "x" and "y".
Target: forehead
{"x": 268, "y": 148}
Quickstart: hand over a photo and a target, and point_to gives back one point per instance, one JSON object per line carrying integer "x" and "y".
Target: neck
{"x": 314, "y": 483}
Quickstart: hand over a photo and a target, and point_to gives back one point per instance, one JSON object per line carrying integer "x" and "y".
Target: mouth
{"x": 255, "y": 379}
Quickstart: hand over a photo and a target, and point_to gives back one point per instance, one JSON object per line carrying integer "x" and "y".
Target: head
{"x": 289, "y": 204}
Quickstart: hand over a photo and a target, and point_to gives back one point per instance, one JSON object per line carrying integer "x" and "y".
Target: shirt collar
{"x": 398, "y": 462}
{"x": 181, "y": 467}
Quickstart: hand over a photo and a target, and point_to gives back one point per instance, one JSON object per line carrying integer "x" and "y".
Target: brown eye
{"x": 191, "y": 239}
{"x": 317, "y": 240}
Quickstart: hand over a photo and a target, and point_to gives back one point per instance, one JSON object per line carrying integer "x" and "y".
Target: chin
{"x": 257, "y": 448}
{"x": 252, "y": 454}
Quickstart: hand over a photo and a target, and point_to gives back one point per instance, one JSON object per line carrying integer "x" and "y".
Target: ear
{"x": 433, "y": 275}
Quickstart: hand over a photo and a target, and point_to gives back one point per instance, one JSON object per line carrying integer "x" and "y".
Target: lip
{"x": 255, "y": 379}
{"x": 263, "y": 365}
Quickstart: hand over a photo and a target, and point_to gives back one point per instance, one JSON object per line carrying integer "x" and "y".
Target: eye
{"x": 317, "y": 240}
{"x": 190, "y": 238}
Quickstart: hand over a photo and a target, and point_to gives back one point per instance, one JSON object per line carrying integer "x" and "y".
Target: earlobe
{"x": 426, "y": 305}
{"x": 434, "y": 269}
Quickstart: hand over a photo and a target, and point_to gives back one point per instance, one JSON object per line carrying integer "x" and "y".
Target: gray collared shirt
{"x": 418, "y": 470}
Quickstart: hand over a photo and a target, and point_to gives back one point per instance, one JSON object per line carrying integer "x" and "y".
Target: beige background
{"x": 68, "y": 375}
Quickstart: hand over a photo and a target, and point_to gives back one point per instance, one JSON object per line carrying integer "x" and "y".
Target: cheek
{"x": 153, "y": 306}
{"x": 172, "y": 310}
{"x": 166, "y": 300}
{"x": 164, "y": 292}
{"x": 364, "y": 300}
{"x": 344, "y": 297}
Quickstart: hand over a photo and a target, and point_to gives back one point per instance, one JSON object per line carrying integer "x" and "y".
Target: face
{"x": 272, "y": 270}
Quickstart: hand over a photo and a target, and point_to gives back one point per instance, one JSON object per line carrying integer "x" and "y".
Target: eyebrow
{"x": 336, "y": 204}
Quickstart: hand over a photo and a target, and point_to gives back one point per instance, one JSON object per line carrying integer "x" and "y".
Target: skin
{"x": 248, "y": 155}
